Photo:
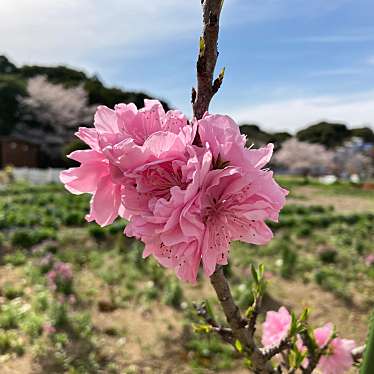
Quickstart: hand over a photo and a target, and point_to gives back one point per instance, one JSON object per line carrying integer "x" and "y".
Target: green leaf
{"x": 202, "y": 328}
{"x": 305, "y": 315}
{"x": 292, "y": 359}
{"x": 208, "y": 308}
{"x": 261, "y": 270}
{"x": 249, "y": 311}
{"x": 255, "y": 274}
{"x": 294, "y": 324}
{"x": 221, "y": 74}
{"x": 238, "y": 346}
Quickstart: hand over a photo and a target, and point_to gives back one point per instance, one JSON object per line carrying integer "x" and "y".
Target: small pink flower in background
{"x": 51, "y": 276}
{"x": 276, "y": 327}
{"x": 60, "y": 278}
{"x": 338, "y": 357}
{"x": 369, "y": 260}
{"x": 268, "y": 275}
{"x": 49, "y": 329}
{"x": 46, "y": 260}
{"x": 63, "y": 270}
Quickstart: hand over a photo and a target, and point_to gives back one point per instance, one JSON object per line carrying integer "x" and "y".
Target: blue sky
{"x": 288, "y": 62}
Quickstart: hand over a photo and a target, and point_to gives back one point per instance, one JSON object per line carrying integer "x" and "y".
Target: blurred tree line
{"x": 39, "y": 103}
{"x": 330, "y": 135}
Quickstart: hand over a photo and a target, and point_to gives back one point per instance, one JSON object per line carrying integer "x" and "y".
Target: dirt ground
{"x": 342, "y": 203}
{"x": 150, "y": 339}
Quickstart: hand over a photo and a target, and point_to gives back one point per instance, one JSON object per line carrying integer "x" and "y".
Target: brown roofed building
{"x": 16, "y": 152}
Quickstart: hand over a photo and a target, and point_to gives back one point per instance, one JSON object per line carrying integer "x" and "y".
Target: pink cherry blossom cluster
{"x": 187, "y": 189}
{"x": 337, "y": 352}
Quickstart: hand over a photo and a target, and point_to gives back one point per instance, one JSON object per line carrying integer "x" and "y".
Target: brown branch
{"x": 253, "y": 317}
{"x": 282, "y": 346}
{"x": 238, "y": 324}
{"x": 207, "y": 59}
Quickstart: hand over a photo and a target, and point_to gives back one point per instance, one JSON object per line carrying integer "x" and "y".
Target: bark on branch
{"x": 238, "y": 324}
{"x": 207, "y": 59}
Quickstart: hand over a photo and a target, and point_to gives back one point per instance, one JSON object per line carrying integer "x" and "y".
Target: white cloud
{"x": 74, "y": 31}
{"x": 293, "y": 114}
{"x": 80, "y": 31}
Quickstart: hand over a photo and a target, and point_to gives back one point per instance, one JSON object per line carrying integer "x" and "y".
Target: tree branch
{"x": 314, "y": 353}
{"x": 238, "y": 324}
{"x": 224, "y": 332}
{"x": 207, "y": 59}
{"x": 282, "y": 346}
{"x": 253, "y": 317}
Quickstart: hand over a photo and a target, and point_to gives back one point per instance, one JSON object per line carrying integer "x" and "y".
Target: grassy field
{"x": 110, "y": 311}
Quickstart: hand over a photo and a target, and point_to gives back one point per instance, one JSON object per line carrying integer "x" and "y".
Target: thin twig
{"x": 225, "y": 332}
{"x": 253, "y": 317}
{"x": 282, "y": 346}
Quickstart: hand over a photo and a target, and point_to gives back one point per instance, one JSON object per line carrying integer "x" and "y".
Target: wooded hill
{"x": 13, "y": 86}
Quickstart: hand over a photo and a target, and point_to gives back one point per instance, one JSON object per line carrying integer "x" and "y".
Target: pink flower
{"x": 238, "y": 195}
{"x": 323, "y": 334}
{"x": 186, "y": 202}
{"x": 276, "y": 327}
{"x": 338, "y": 357}
{"x": 117, "y": 138}
{"x": 189, "y": 212}
{"x": 369, "y": 260}
{"x": 228, "y": 145}
{"x": 49, "y": 329}
{"x": 60, "y": 277}
{"x": 168, "y": 223}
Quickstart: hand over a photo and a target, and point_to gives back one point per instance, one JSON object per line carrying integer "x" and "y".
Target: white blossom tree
{"x": 60, "y": 107}
{"x": 304, "y": 158}
{"x": 55, "y": 111}
{"x": 351, "y": 159}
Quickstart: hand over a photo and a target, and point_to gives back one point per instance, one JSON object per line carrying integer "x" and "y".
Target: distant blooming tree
{"x": 52, "y": 113}
{"x": 353, "y": 158}
{"x": 304, "y": 158}
{"x": 59, "y": 107}
{"x": 187, "y": 190}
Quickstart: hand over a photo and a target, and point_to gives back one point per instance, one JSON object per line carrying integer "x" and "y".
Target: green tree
{"x": 365, "y": 133}
{"x": 328, "y": 134}
{"x": 11, "y": 89}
